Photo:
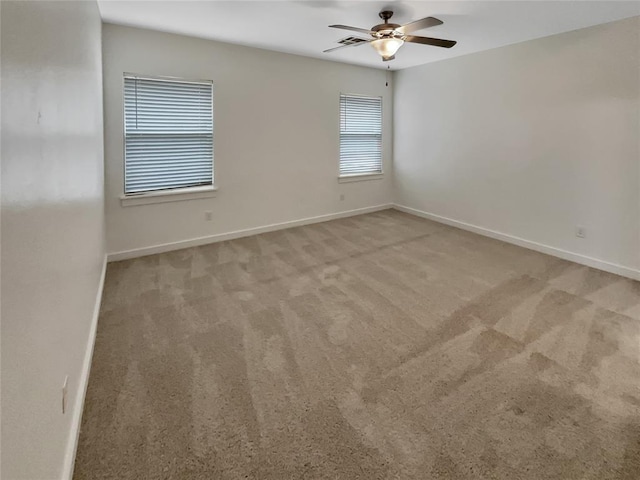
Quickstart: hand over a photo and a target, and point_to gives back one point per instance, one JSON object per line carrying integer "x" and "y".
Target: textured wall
{"x": 276, "y": 136}
{"x": 52, "y": 224}
{"x": 530, "y": 140}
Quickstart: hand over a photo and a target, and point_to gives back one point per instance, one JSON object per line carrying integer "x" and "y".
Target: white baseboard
{"x": 220, "y": 237}
{"x": 76, "y": 420}
{"x": 521, "y": 242}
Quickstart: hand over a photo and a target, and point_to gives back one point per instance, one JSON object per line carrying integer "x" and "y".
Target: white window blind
{"x": 168, "y": 127}
{"x": 360, "y": 135}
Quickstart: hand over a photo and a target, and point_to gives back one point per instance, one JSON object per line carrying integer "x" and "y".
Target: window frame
{"x": 358, "y": 177}
{"x": 165, "y": 194}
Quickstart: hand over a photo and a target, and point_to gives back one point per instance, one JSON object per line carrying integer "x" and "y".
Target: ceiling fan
{"x": 387, "y": 37}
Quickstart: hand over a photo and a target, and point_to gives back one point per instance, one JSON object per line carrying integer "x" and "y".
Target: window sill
{"x": 360, "y": 178}
{"x": 163, "y": 196}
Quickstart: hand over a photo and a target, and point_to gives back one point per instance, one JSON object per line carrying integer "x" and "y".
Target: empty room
{"x": 280, "y": 240}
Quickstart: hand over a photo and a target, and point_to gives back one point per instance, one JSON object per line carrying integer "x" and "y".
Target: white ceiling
{"x": 301, "y": 26}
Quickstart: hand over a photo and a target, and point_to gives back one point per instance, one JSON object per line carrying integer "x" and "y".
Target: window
{"x": 168, "y": 131}
{"x": 360, "y": 135}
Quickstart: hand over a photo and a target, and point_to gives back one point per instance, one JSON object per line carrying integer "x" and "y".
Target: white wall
{"x": 530, "y": 140}
{"x": 276, "y": 136}
{"x": 52, "y": 225}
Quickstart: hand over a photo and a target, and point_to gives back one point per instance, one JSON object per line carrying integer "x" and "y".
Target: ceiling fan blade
{"x": 419, "y": 25}
{"x": 436, "y": 42}
{"x": 353, "y": 29}
{"x": 345, "y": 46}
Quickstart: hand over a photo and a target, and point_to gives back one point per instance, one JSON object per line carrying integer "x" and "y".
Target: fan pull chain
{"x": 386, "y": 84}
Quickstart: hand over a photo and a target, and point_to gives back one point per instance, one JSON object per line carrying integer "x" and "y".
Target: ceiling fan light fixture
{"x": 387, "y": 37}
{"x": 387, "y": 47}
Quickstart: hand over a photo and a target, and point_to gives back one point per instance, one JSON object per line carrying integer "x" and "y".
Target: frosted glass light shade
{"x": 387, "y": 47}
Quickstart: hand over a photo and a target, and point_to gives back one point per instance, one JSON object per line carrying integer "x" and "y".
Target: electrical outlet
{"x": 341, "y": 196}
{"x": 208, "y": 216}
{"x": 581, "y": 232}
{"x": 64, "y": 394}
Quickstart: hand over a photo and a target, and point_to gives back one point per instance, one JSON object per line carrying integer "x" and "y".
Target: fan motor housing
{"x": 385, "y": 26}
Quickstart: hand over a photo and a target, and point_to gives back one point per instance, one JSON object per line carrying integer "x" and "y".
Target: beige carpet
{"x": 382, "y": 346}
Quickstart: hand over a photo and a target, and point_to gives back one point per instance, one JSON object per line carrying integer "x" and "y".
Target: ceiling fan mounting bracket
{"x": 385, "y": 15}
